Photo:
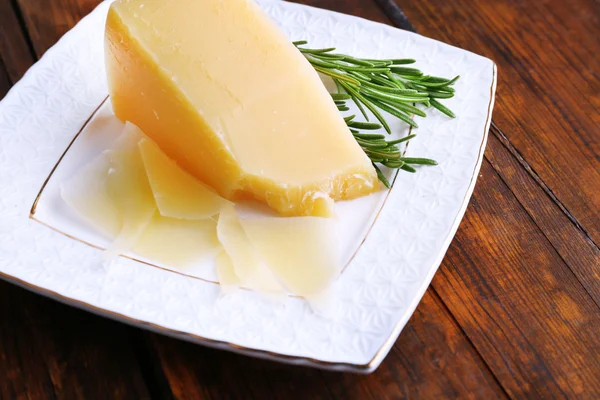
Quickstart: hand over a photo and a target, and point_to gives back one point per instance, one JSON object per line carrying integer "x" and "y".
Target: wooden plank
{"x": 526, "y": 313}
{"x": 432, "y": 359}
{"x": 548, "y": 84}
{"x": 14, "y": 47}
{"x": 47, "y": 22}
{"x": 49, "y": 350}
{"x": 572, "y": 244}
{"x": 5, "y": 83}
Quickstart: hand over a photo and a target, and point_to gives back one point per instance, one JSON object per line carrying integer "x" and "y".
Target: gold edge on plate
{"x": 384, "y": 349}
{"x": 48, "y": 225}
{"x": 359, "y": 368}
{"x": 85, "y": 124}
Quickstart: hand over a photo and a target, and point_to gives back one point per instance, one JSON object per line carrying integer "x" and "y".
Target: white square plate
{"x": 393, "y": 249}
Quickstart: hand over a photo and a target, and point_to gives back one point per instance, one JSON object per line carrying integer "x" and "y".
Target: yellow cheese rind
{"x": 177, "y": 193}
{"x": 302, "y": 251}
{"x": 178, "y": 243}
{"x": 247, "y": 263}
{"x": 244, "y": 111}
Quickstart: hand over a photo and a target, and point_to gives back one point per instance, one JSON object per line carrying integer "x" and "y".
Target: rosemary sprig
{"x": 381, "y": 86}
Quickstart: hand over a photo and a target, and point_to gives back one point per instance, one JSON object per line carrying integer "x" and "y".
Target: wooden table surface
{"x": 514, "y": 310}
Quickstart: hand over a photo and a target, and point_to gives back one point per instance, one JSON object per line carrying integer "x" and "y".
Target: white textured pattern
{"x": 378, "y": 291}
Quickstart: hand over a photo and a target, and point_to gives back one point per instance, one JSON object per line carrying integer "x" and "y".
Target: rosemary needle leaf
{"x": 410, "y": 109}
{"x": 358, "y": 61}
{"x": 397, "y": 113}
{"x": 402, "y": 61}
{"x": 365, "y": 125}
{"x": 339, "y": 76}
{"x": 442, "y": 108}
{"x": 408, "y": 168}
{"x": 440, "y": 95}
{"x": 343, "y": 108}
{"x": 419, "y": 161}
{"x": 404, "y": 139}
{"x": 332, "y": 57}
{"x": 394, "y": 164}
{"x": 368, "y": 136}
{"x": 381, "y": 177}
{"x": 372, "y": 145}
{"x": 370, "y": 106}
{"x": 360, "y": 107}
{"x": 354, "y": 98}
{"x": 350, "y": 118}
{"x": 386, "y": 82}
{"x": 317, "y": 51}
{"x": 300, "y": 43}
{"x": 396, "y": 81}
{"x": 383, "y": 154}
{"x": 360, "y": 76}
{"x": 320, "y": 62}
{"x": 442, "y": 81}
{"x": 406, "y": 71}
{"x": 340, "y": 96}
{"x": 415, "y": 97}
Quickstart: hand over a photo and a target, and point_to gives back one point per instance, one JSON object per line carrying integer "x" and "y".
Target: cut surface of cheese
{"x": 247, "y": 264}
{"x": 177, "y": 193}
{"x": 301, "y": 251}
{"x": 223, "y": 92}
{"x": 178, "y": 243}
{"x": 112, "y": 192}
{"x": 226, "y": 273}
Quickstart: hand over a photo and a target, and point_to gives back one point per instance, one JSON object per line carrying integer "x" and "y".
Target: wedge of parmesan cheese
{"x": 220, "y": 88}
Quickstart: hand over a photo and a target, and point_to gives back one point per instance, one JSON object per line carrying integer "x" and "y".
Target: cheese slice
{"x": 178, "y": 243}
{"x": 302, "y": 251}
{"x": 127, "y": 183}
{"x": 86, "y": 193}
{"x": 226, "y": 272}
{"x": 247, "y": 264}
{"x": 177, "y": 193}
{"x": 112, "y": 192}
{"x": 224, "y": 93}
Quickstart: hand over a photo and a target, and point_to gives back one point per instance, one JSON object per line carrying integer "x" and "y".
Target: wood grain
{"x": 52, "y": 351}
{"x": 548, "y": 84}
{"x": 47, "y": 21}
{"x": 5, "y": 83}
{"x": 432, "y": 359}
{"x": 512, "y": 312}
{"x": 524, "y": 310}
{"x": 574, "y": 247}
{"x": 14, "y": 47}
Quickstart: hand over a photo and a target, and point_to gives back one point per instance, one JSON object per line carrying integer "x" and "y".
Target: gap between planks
{"x": 399, "y": 19}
